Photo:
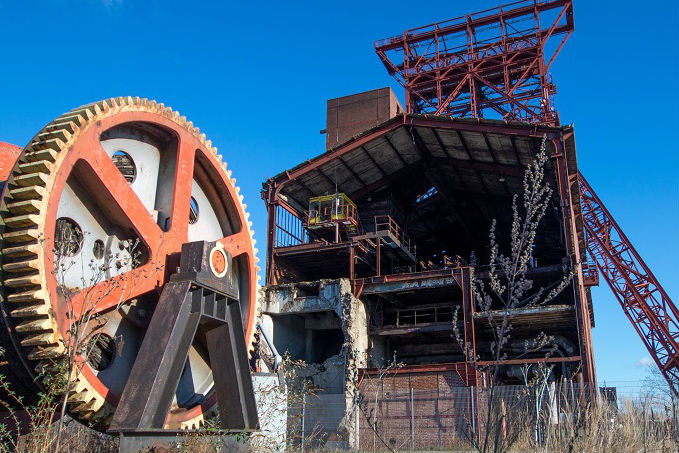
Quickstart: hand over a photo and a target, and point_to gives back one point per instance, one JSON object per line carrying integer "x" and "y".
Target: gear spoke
{"x": 181, "y": 197}
{"x": 121, "y": 194}
{"x": 237, "y": 244}
{"x": 113, "y": 292}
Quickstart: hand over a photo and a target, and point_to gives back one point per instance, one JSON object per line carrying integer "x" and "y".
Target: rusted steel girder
{"x": 493, "y": 61}
{"x": 644, "y": 301}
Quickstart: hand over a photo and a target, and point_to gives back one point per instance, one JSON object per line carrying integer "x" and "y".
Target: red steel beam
{"x": 414, "y": 35}
{"x": 576, "y": 358}
{"x": 642, "y": 298}
{"x": 491, "y": 62}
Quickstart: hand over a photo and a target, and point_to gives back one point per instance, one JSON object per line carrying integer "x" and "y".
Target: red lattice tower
{"x": 642, "y": 298}
{"x": 494, "y": 63}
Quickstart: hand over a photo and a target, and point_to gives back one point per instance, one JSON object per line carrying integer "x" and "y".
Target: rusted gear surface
{"x": 86, "y": 158}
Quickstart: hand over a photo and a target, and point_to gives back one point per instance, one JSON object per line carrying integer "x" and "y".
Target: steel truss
{"x": 493, "y": 63}
{"x": 642, "y": 298}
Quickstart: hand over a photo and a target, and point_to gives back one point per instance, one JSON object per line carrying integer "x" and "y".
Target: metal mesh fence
{"x": 314, "y": 421}
{"x": 530, "y": 418}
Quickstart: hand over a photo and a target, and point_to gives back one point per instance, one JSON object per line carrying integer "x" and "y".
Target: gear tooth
{"x": 22, "y": 236}
{"x": 121, "y": 102}
{"x": 176, "y": 116}
{"x": 240, "y": 198}
{"x": 27, "y": 297}
{"x": 56, "y": 144}
{"x": 23, "y": 221}
{"x": 47, "y": 154}
{"x": 44, "y": 353}
{"x": 224, "y": 166}
{"x": 25, "y": 207}
{"x": 32, "y": 179}
{"x": 228, "y": 174}
{"x": 77, "y": 398}
{"x": 22, "y": 251}
{"x": 41, "y": 339}
{"x": 86, "y": 409}
{"x": 182, "y": 121}
{"x": 23, "y": 281}
{"x": 202, "y": 138}
{"x": 137, "y": 101}
{"x": 36, "y": 166}
{"x": 22, "y": 266}
{"x": 130, "y": 101}
{"x": 48, "y": 134}
{"x": 189, "y": 126}
{"x": 35, "y": 325}
{"x": 215, "y": 151}
{"x": 247, "y": 214}
{"x": 86, "y": 115}
{"x": 153, "y": 104}
{"x": 31, "y": 311}
{"x": 79, "y": 385}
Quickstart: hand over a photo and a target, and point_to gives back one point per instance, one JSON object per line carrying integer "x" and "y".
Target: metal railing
{"x": 423, "y": 315}
{"x": 290, "y": 229}
{"x": 330, "y": 214}
{"x": 387, "y": 223}
{"x": 590, "y": 274}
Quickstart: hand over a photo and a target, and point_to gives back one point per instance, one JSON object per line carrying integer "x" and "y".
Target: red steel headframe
{"x": 496, "y": 61}
{"x": 492, "y": 63}
{"x": 641, "y": 297}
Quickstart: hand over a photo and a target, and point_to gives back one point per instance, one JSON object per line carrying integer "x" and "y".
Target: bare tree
{"x": 84, "y": 338}
{"x": 370, "y": 408}
{"x": 507, "y": 289}
{"x": 661, "y": 390}
{"x": 89, "y": 282}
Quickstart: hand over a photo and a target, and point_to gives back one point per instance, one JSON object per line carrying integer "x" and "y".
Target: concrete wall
{"x": 272, "y": 409}
{"x": 295, "y": 310}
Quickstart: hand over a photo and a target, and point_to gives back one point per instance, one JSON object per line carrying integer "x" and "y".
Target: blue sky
{"x": 254, "y": 76}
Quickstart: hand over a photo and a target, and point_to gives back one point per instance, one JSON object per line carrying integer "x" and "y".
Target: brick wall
{"x": 438, "y": 415}
{"x": 350, "y": 115}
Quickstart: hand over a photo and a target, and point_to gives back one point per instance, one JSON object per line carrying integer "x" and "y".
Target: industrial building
{"x": 377, "y": 255}
{"x": 407, "y": 201}
{"x": 374, "y": 246}
{"x": 377, "y": 246}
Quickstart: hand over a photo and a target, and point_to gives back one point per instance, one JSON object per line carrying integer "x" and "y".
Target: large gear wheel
{"x": 95, "y": 211}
